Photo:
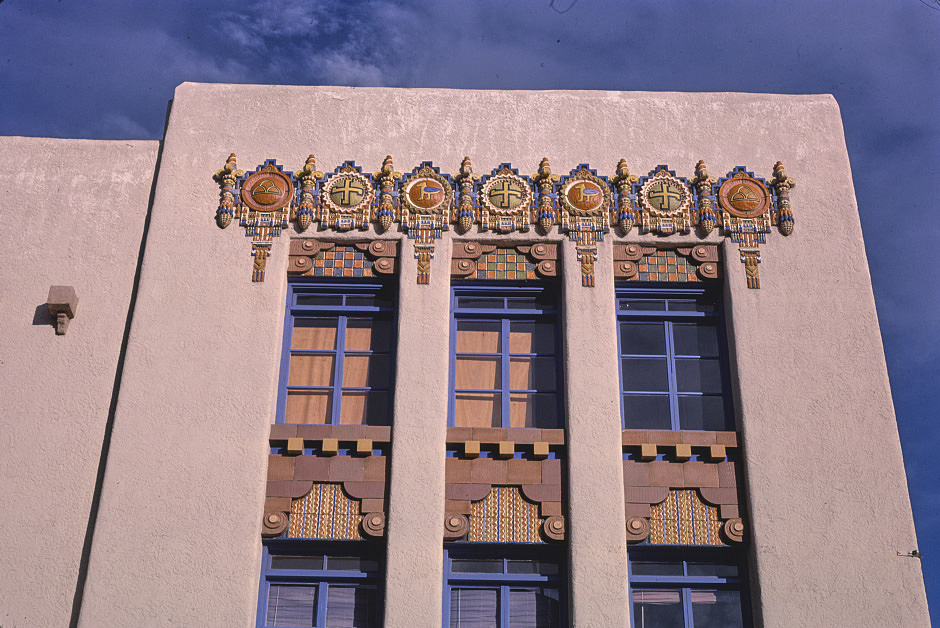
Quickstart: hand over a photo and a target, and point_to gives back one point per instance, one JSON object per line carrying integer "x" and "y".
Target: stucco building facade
{"x": 501, "y": 378}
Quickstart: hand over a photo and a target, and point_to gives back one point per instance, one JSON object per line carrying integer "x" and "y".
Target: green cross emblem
{"x": 504, "y": 195}
{"x": 665, "y": 193}
{"x": 347, "y": 193}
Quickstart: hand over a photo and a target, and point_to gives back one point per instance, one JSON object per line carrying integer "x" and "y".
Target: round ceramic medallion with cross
{"x": 744, "y": 196}
{"x": 506, "y": 193}
{"x": 665, "y": 195}
{"x": 267, "y": 190}
{"x": 347, "y": 192}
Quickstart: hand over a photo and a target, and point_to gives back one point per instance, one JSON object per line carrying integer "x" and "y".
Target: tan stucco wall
{"x": 73, "y": 214}
{"x": 178, "y": 536}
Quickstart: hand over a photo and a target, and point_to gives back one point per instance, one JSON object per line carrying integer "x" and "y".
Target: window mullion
{"x": 504, "y": 606}
{"x": 671, "y": 371}
{"x": 322, "y": 587}
{"x": 687, "y": 607}
{"x": 338, "y": 369}
{"x": 504, "y": 373}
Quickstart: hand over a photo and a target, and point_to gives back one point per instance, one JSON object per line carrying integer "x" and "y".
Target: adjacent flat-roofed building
{"x": 346, "y": 357}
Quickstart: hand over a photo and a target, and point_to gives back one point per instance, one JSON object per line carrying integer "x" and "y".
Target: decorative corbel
{"x": 388, "y": 204}
{"x": 465, "y": 206}
{"x": 625, "y": 212}
{"x": 62, "y": 303}
{"x": 226, "y": 178}
{"x": 703, "y": 186}
{"x": 545, "y": 180}
{"x": 306, "y": 209}
{"x": 782, "y": 184}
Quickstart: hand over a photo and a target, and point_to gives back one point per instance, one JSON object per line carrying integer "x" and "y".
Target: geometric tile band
{"x": 665, "y": 265}
{"x": 504, "y": 516}
{"x": 684, "y": 519}
{"x": 342, "y": 261}
{"x": 505, "y": 264}
{"x": 325, "y": 513}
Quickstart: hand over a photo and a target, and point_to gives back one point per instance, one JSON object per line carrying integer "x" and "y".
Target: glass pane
{"x": 698, "y": 375}
{"x": 646, "y": 412}
{"x": 532, "y": 374}
{"x": 643, "y": 305}
{"x": 655, "y": 569}
{"x": 352, "y": 410}
{"x": 702, "y": 413}
{"x": 320, "y": 299}
{"x": 644, "y": 374}
{"x": 476, "y": 565}
{"x": 477, "y": 410}
{"x": 314, "y": 334}
{"x": 313, "y": 406}
{"x": 310, "y": 370}
{"x": 642, "y": 339}
{"x": 364, "y": 408}
{"x": 350, "y": 607}
{"x": 711, "y": 569}
{"x": 716, "y": 609}
{"x": 360, "y": 300}
{"x": 292, "y": 605}
{"x": 695, "y": 339}
{"x": 377, "y": 408}
{"x": 297, "y": 562}
{"x": 661, "y": 608}
{"x": 533, "y": 410}
{"x": 480, "y": 303}
{"x": 526, "y": 303}
{"x": 474, "y": 608}
{"x": 351, "y": 563}
{"x": 533, "y": 608}
{"x": 364, "y": 370}
{"x": 531, "y": 337}
{"x": 477, "y": 336}
{"x": 366, "y": 334}
{"x": 532, "y": 567}
{"x": 690, "y": 306}
{"x": 478, "y": 373}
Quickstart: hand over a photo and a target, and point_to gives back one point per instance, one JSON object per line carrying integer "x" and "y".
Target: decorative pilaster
{"x": 262, "y": 201}
{"x": 585, "y": 200}
{"x": 426, "y": 205}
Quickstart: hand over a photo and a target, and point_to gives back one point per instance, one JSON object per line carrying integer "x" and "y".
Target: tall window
{"x": 339, "y": 354}
{"x": 504, "y": 366}
{"x": 315, "y": 590}
{"x": 499, "y": 587}
{"x": 672, "y": 369}
{"x": 668, "y": 592}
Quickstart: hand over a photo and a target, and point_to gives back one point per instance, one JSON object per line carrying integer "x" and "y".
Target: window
{"x": 672, "y": 367}
{"x": 504, "y": 367}
{"x": 499, "y": 587}
{"x": 339, "y": 350}
{"x": 705, "y": 592}
{"x": 316, "y": 590}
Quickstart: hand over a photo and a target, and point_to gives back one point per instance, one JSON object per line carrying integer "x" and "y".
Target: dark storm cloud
{"x": 106, "y": 70}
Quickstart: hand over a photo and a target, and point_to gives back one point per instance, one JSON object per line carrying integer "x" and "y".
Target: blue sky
{"x": 106, "y": 70}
